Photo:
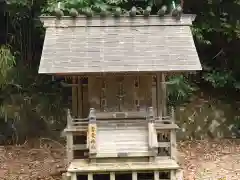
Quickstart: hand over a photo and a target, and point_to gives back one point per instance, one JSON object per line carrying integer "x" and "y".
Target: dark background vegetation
{"x": 35, "y": 104}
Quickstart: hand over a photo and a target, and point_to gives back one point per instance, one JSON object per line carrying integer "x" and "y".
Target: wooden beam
{"x": 121, "y": 74}
{"x": 64, "y": 84}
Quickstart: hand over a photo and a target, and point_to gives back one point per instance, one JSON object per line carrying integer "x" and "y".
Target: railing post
{"x": 152, "y": 135}
{"x": 134, "y": 176}
{"x": 92, "y": 132}
{"x": 69, "y": 119}
{"x": 150, "y": 115}
{"x": 173, "y": 140}
{"x": 156, "y": 175}
{"x": 69, "y": 137}
{"x": 172, "y": 115}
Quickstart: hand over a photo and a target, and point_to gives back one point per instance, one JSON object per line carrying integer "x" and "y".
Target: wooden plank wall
{"x": 141, "y": 95}
{"x": 80, "y": 107}
{"x": 91, "y": 95}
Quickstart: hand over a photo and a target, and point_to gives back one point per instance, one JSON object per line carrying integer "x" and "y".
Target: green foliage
{"x": 179, "y": 90}
{"x": 217, "y": 35}
{"x": 32, "y": 99}
{"x": 82, "y": 5}
{"x": 7, "y": 62}
{"x": 35, "y": 108}
{"x": 220, "y": 79}
{"x": 98, "y": 6}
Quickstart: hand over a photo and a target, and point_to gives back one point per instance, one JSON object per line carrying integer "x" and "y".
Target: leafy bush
{"x": 179, "y": 90}
{"x": 7, "y": 62}
{"x": 220, "y": 79}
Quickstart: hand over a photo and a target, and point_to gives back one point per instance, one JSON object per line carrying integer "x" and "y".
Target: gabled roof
{"x": 118, "y": 45}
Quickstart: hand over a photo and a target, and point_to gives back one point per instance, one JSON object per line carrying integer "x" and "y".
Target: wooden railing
{"x": 76, "y": 130}
{"x": 166, "y": 134}
{"x": 76, "y": 124}
{"x": 161, "y": 131}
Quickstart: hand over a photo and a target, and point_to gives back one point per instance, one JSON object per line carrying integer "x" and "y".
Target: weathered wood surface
{"x": 76, "y": 129}
{"x": 92, "y": 132}
{"x": 79, "y": 147}
{"x": 122, "y": 159}
{"x": 121, "y": 115}
{"x": 152, "y": 136}
{"x": 74, "y": 98}
{"x": 160, "y": 126}
{"x": 76, "y": 125}
{"x": 116, "y": 137}
{"x": 120, "y": 86}
{"x": 97, "y": 21}
{"x": 84, "y": 166}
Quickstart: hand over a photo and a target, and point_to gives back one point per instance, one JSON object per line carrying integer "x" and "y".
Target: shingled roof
{"x": 118, "y": 45}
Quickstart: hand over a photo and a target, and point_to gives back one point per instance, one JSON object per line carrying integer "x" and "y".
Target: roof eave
{"x": 122, "y": 72}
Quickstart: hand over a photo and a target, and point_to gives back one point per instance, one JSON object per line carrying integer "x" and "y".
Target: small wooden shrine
{"x": 119, "y": 126}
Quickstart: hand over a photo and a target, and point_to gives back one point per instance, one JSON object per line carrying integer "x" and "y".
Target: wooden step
{"x": 130, "y": 121}
{"x": 160, "y": 126}
{"x": 82, "y": 166}
{"x": 112, "y": 154}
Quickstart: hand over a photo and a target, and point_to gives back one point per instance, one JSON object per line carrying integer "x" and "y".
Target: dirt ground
{"x": 44, "y": 160}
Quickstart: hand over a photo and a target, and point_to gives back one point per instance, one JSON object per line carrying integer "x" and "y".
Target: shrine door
{"x": 120, "y": 93}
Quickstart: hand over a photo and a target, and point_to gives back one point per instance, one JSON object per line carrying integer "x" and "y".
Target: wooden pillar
{"x": 74, "y": 176}
{"x": 156, "y": 175}
{"x": 158, "y": 95}
{"x": 85, "y": 98}
{"x": 112, "y": 176}
{"x": 69, "y": 147}
{"x": 74, "y": 97}
{"x": 161, "y": 95}
{"x": 173, "y": 139}
{"x": 172, "y": 115}
{"x": 66, "y": 176}
{"x": 80, "y": 98}
{"x": 69, "y": 136}
{"x": 152, "y": 134}
{"x": 164, "y": 94}
{"x": 90, "y": 176}
{"x": 173, "y": 145}
{"x": 134, "y": 175}
{"x": 173, "y": 175}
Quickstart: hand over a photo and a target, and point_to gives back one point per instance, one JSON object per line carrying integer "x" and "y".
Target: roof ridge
{"x": 123, "y": 21}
